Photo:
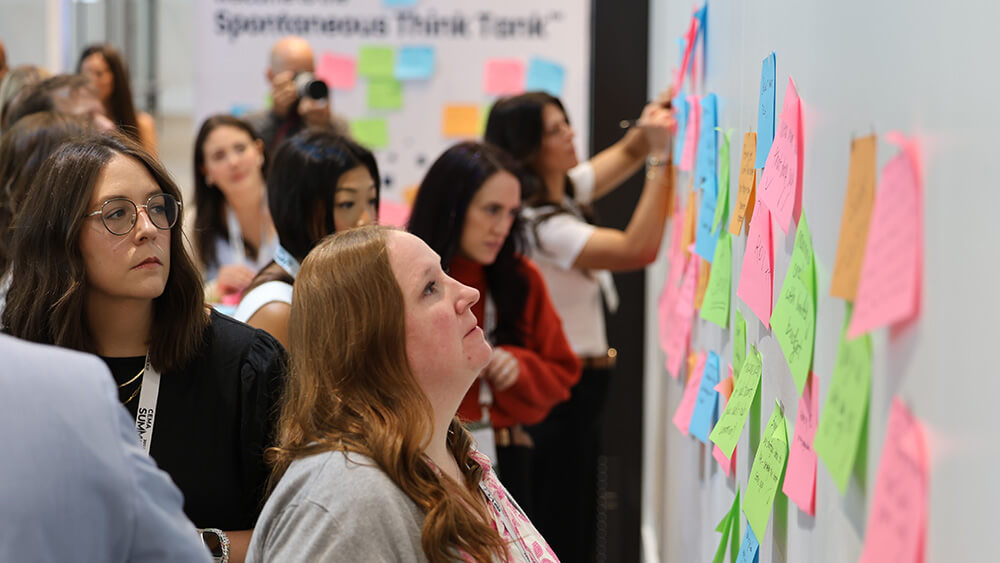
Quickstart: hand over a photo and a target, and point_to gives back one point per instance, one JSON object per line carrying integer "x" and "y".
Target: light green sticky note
{"x": 842, "y": 418}
{"x": 727, "y": 431}
{"x": 715, "y": 305}
{"x": 722, "y": 202}
{"x": 739, "y": 341}
{"x": 732, "y": 518}
{"x": 734, "y": 538}
{"x": 766, "y": 473}
{"x": 376, "y": 61}
{"x": 373, "y": 133}
{"x": 385, "y": 93}
{"x": 793, "y": 320}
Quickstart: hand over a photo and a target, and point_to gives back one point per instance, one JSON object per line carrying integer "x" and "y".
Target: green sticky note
{"x": 715, "y": 305}
{"x": 376, "y": 61}
{"x": 385, "y": 93}
{"x": 734, "y": 538}
{"x": 727, "y": 431}
{"x": 793, "y": 320}
{"x": 732, "y": 518}
{"x": 722, "y": 202}
{"x": 766, "y": 474}
{"x": 739, "y": 341}
{"x": 842, "y": 418}
{"x": 373, "y": 133}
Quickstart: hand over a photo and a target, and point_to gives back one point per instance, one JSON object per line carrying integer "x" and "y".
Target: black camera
{"x": 308, "y": 86}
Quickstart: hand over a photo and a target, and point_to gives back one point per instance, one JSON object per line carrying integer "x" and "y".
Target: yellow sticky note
{"x": 854, "y": 221}
{"x": 460, "y": 120}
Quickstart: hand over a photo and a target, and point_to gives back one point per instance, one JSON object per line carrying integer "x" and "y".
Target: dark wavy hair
{"x": 47, "y": 296}
{"x": 300, "y": 186}
{"x": 120, "y": 107}
{"x": 438, "y": 217}
{"x": 209, "y": 201}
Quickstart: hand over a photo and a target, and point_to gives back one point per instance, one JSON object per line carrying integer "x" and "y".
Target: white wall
{"x": 860, "y": 67}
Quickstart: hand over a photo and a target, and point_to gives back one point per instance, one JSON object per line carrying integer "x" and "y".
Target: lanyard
{"x": 145, "y": 417}
{"x": 287, "y": 262}
{"x": 505, "y": 519}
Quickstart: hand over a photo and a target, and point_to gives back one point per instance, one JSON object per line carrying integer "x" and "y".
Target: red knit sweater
{"x": 548, "y": 367}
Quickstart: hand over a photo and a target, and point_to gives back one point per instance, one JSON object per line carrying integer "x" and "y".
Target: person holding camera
{"x": 299, "y": 99}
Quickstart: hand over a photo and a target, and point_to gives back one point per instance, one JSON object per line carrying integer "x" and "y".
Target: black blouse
{"x": 214, "y": 419}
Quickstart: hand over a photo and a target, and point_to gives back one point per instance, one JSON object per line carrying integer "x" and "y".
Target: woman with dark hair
{"x": 372, "y": 464}
{"x": 233, "y": 233}
{"x": 99, "y": 265}
{"x": 575, "y": 257}
{"x": 103, "y": 65}
{"x": 319, "y": 183}
{"x": 467, "y": 210}
{"x": 13, "y": 85}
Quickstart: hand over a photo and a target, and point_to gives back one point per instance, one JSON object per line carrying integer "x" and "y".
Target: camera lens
{"x": 308, "y": 86}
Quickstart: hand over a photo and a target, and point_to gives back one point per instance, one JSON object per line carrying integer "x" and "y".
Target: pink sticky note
{"x": 898, "y": 518}
{"x": 689, "y": 38}
{"x": 503, "y": 77}
{"x": 671, "y": 288}
{"x": 890, "y": 283}
{"x": 757, "y": 276}
{"x": 780, "y": 184}
{"x": 338, "y": 71}
{"x": 800, "y": 474}
{"x": 691, "y": 134}
{"x": 393, "y": 213}
{"x": 682, "y": 418}
{"x": 725, "y": 389}
{"x": 681, "y": 318}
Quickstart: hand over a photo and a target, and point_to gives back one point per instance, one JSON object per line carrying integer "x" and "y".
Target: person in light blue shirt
{"x": 75, "y": 485}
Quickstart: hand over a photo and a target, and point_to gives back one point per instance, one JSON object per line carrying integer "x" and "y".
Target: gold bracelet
{"x": 653, "y": 161}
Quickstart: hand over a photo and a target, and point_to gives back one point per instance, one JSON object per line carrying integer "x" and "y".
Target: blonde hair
{"x": 351, "y": 388}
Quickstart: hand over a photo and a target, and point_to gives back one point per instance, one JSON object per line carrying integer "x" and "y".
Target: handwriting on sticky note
{"x": 706, "y": 165}
{"x": 338, "y": 71}
{"x": 691, "y": 134}
{"x": 739, "y": 341}
{"x": 545, "y": 75}
{"x": 683, "y": 316}
{"x": 682, "y": 417}
{"x": 800, "y": 476}
{"x": 765, "y": 110}
{"x": 749, "y": 549}
{"x": 376, "y": 61}
{"x": 372, "y": 133}
{"x": 414, "y": 62}
{"x": 898, "y": 517}
{"x": 766, "y": 473}
{"x": 888, "y": 291}
{"x": 747, "y": 184}
{"x": 781, "y": 181}
{"x": 846, "y": 406}
{"x": 794, "y": 318}
{"x": 704, "y": 413}
{"x": 855, "y": 218}
{"x": 503, "y": 77}
{"x": 385, "y": 93}
{"x": 715, "y": 307}
{"x": 727, "y": 431}
{"x": 460, "y": 120}
{"x": 722, "y": 202}
{"x": 756, "y": 275}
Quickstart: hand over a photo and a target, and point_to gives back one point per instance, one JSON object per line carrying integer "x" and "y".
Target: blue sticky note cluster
{"x": 545, "y": 75}
{"x": 397, "y": 3}
{"x": 765, "y": 112}
{"x": 415, "y": 62}
{"x": 706, "y": 407}
{"x": 749, "y": 549}
{"x": 681, "y": 105}
{"x": 706, "y": 161}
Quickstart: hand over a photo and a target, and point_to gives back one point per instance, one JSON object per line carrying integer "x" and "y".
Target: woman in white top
{"x": 320, "y": 183}
{"x": 233, "y": 233}
{"x": 575, "y": 257}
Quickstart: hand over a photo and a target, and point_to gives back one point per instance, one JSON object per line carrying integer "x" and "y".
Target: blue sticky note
{"x": 396, "y": 3}
{"x": 682, "y": 110}
{"x": 765, "y": 111}
{"x": 702, "y": 16}
{"x": 706, "y": 170}
{"x": 749, "y": 549}
{"x": 414, "y": 62}
{"x": 545, "y": 75}
{"x": 704, "y": 237}
{"x": 705, "y": 408}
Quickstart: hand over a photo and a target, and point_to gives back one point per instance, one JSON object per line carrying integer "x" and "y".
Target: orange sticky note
{"x": 682, "y": 418}
{"x": 889, "y": 288}
{"x": 503, "y": 77}
{"x": 898, "y": 518}
{"x": 757, "y": 274}
{"x": 690, "y": 219}
{"x": 682, "y": 318}
{"x": 800, "y": 474}
{"x": 691, "y": 135}
{"x": 780, "y": 186}
{"x": 704, "y": 270}
{"x": 460, "y": 120}
{"x": 725, "y": 389}
{"x": 748, "y": 182}
{"x": 855, "y": 218}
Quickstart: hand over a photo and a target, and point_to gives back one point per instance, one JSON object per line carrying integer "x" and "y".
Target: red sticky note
{"x": 780, "y": 184}
{"x": 691, "y": 134}
{"x": 338, "y": 71}
{"x": 756, "y": 275}
{"x": 503, "y": 77}
{"x": 725, "y": 389}
{"x": 889, "y": 288}
{"x": 898, "y": 518}
{"x": 689, "y": 38}
{"x": 682, "y": 317}
{"x": 800, "y": 474}
{"x": 682, "y": 418}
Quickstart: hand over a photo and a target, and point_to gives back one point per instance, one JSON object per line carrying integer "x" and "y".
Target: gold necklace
{"x": 130, "y": 382}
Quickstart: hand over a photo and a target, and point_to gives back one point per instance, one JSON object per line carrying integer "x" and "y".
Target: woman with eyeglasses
{"x": 99, "y": 265}
{"x": 320, "y": 183}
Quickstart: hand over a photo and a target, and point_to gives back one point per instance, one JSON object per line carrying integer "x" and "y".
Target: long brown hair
{"x": 351, "y": 389}
{"x": 120, "y": 107}
{"x": 47, "y": 298}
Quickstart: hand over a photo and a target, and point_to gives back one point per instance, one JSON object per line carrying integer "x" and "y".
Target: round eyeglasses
{"x": 120, "y": 214}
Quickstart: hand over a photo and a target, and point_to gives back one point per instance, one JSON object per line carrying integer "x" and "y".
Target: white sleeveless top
{"x": 270, "y": 292}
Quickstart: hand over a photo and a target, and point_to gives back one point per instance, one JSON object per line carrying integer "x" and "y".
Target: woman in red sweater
{"x": 467, "y": 210}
